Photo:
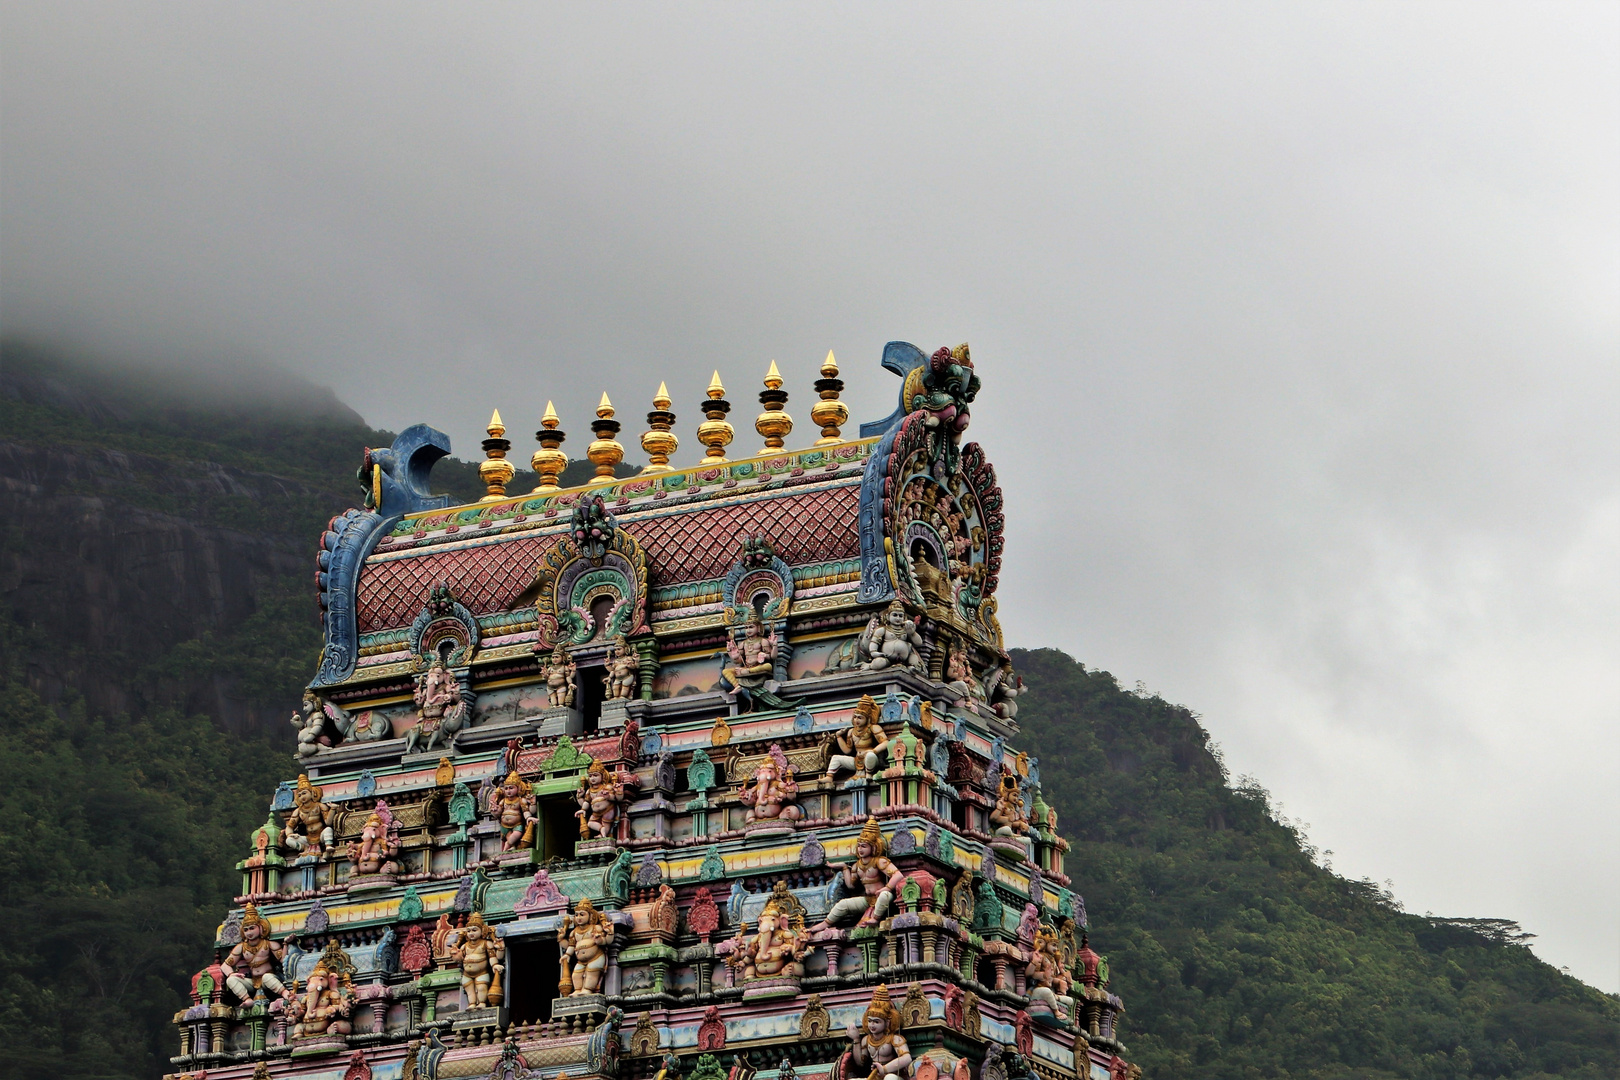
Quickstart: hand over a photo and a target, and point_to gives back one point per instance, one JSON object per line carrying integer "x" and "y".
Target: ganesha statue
{"x": 770, "y": 793}
{"x": 1047, "y": 977}
{"x": 379, "y": 843}
{"x": 323, "y": 1007}
{"x": 778, "y": 947}
{"x": 1008, "y": 816}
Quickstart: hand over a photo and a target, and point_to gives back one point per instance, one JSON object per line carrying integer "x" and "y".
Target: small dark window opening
{"x": 557, "y": 828}
{"x": 987, "y": 972}
{"x": 533, "y": 969}
{"x": 920, "y": 549}
{"x": 445, "y": 648}
{"x": 760, "y": 600}
{"x": 959, "y": 813}
{"x": 601, "y": 609}
{"x": 590, "y": 697}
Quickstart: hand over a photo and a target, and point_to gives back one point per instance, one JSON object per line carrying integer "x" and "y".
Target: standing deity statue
{"x": 1008, "y": 815}
{"x": 560, "y": 678}
{"x": 513, "y": 805}
{"x": 439, "y": 708}
{"x": 251, "y": 963}
{"x": 623, "y": 667}
{"x": 310, "y": 720}
{"x": 778, "y": 947}
{"x": 601, "y": 796}
{"x": 891, "y": 640}
{"x": 871, "y": 872}
{"x": 323, "y": 1007}
{"x": 770, "y": 794}
{"x": 479, "y": 952}
{"x": 308, "y": 830}
{"x": 862, "y": 746}
{"x": 1047, "y": 977}
{"x": 877, "y": 1045}
{"x": 586, "y": 935}
{"x": 374, "y": 852}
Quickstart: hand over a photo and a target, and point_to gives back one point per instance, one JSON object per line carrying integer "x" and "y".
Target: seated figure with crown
{"x": 877, "y": 878}
{"x": 877, "y": 1050}
{"x": 251, "y": 964}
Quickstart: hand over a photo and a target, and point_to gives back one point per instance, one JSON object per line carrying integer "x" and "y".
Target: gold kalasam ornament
{"x": 714, "y": 432}
{"x": 549, "y": 461}
{"x": 496, "y": 471}
{"x": 773, "y": 424}
{"x": 829, "y": 412}
{"x": 659, "y": 441}
{"x": 604, "y": 452}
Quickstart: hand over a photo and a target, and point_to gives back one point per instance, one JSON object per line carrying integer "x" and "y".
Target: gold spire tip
{"x": 773, "y": 378}
{"x": 661, "y": 399}
{"x": 496, "y": 429}
{"x": 715, "y": 389}
{"x": 551, "y": 419}
{"x": 605, "y": 409}
{"x": 829, "y": 367}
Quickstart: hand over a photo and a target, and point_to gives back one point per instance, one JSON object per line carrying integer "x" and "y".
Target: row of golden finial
{"x": 659, "y": 440}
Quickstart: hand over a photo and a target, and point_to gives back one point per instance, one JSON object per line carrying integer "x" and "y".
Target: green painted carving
{"x": 910, "y": 893}
{"x": 987, "y": 911}
{"x": 463, "y": 807}
{"x": 566, "y": 756}
{"x": 714, "y": 867}
{"x": 947, "y": 849}
{"x": 700, "y": 773}
{"x": 410, "y": 905}
{"x": 616, "y": 878}
{"x": 708, "y": 1068}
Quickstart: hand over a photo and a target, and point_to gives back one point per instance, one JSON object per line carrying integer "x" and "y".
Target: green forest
{"x": 1237, "y": 953}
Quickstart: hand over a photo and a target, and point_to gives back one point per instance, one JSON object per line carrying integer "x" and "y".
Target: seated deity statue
{"x": 862, "y": 746}
{"x": 560, "y": 672}
{"x": 323, "y": 1007}
{"x": 891, "y": 640}
{"x": 1008, "y": 816}
{"x": 776, "y": 950}
{"x": 1047, "y": 978}
{"x": 251, "y": 964}
{"x": 770, "y": 794}
{"x": 586, "y": 935}
{"x": 479, "y": 952}
{"x": 310, "y": 720}
{"x": 440, "y": 710}
{"x": 877, "y": 1047}
{"x": 878, "y": 880}
{"x": 374, "y": 852}
{"x": 308, "y": 830}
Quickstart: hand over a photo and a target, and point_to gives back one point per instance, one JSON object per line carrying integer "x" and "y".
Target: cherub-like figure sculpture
{"x": 586, "y": 935}
{"x": 601, "y": 796}
{"x": 374, "y": 852}
{"x": 877, "y": 1044}
{"x": 310, "y": 720}
{"x": 861, "y": 747}
{"x": 1008, "y": 816}
{"x": 777, "y": 948}
{"x": 514, "y": 807}
{"x": 623, "y": 666}
{"x": 891, "y": 640}
{"x": 1047, "y": 978}
{"x": 439, "y": 709}
{"x": 479, "y": 952}
{"x": 770, "y": 794}
{"x": 324, "y": 1006}
{"x": 560, "y": 672}
{"x": 872, "y": 873}
{"x": 308, "y": 830}
{"x": 251, "y": 963}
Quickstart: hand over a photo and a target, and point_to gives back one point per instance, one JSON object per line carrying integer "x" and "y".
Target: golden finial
{"x": 714, "y": 432}
{"x": 496, "y": 471}
{"x": 658, "y": 441}
{"x": 829, "y": 412}
{"x": 604, "y": 452}
{"x": 548, "y": 462}
{"x": 773, "y": 424}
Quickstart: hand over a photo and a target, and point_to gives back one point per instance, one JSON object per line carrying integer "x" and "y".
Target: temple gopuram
{"x": 704, "y": 773}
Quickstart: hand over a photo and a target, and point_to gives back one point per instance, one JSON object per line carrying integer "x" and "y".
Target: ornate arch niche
{"x": 443, "y": 630}
{"x": 593, "y": 583}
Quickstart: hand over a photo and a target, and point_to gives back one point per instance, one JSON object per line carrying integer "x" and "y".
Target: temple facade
{"x": 705, "y": 773}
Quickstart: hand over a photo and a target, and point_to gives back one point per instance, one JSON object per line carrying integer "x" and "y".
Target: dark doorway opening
{"x": 592, "y": 693}
{"x": 533, "y": 968}
{"x": 558, "y": 828}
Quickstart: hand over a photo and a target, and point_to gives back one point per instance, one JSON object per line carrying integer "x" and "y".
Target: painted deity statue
{"x": 439, "y": 708}
{"x": 308, "y": 829}
{"x": 891, "y": 640}
{"x": 479, "y": 952}
{"x": 752, "y": 659}
{"x": 862, "y": 745}
{"x": 323, "y": 1007}
{"x": 1008, "y": 816}
{"x": 251, "y": 963}
{"x": 602, "y": 795}
{"x": 513, "y": 805}
{"x": 1002, "y": 687}
{"x": 310, "y": 720}
{"x": 778, "y": 947}
{"x": 770, "y": 794}
{"x": 560, "y": 672}
{"x": 586, "y": 935}
{"x": 374, "y": 852}
{"x": 872, "y": 873}
{"x": 1047, "y": 977}
{"x": 623, "y": 666}
{"x": 877, "y": 1045}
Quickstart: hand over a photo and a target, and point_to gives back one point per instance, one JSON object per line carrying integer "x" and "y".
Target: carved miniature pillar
{"x": 185, "y": 1040}
{"x": 610, "y": 977}
{"x": 832, "y": 949}
{"x": 257, "y": 1024}
{"x": 1020, "y": 981}
{"x": 999, "y": 962}
{"x": 216, "y": 1042}
{"x": 704, "y": 970}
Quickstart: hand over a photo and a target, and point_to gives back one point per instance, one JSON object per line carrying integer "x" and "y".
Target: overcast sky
{"x": 1299, "y": 325}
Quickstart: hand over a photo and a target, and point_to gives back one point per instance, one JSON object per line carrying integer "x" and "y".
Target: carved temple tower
{"x": 677, "y": 775}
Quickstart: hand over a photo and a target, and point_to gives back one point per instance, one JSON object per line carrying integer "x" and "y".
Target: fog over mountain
{"x": 1299, "y": 326}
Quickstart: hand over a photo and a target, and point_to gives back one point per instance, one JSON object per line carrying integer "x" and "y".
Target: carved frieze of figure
{"x": 252, "y": 962}
{"x": 770, "y": 793}
{"x": 623, "y": 666}
{"x": 323, "y": 1006}
{"x": 513, "y": 806}
{"x": 602, "y": 795}
{"x": 891, "y": 640}
{"x": 1008, "y": 816}
{"x": 440, "y": 710}
{"x": 374, "y": 852}
{"x": 1048, "y": 979}
{"x": 560, "y": 672}
{"x": 777, "y": 948}
{"x": 308, "y": 830}
{"x": 586, "y": 935}
{"x": 862, "y": 745}
{"x": 310, "y": 720}
{"x": 873, "y": 874}
{"x": 877, "y": 1048}
{"x": 479, "y": 952}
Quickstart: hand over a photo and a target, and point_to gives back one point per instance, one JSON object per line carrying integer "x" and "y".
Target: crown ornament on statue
{"x": 872, "y": 834}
